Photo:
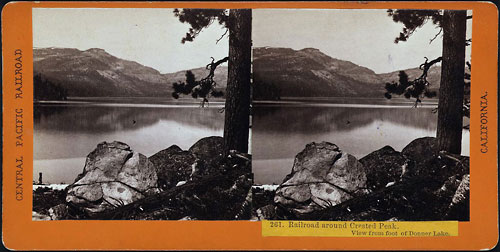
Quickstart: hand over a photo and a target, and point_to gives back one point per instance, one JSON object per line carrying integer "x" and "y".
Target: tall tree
{"x": 238, "y": 22}
{"x": 449, "y": 129}
{"x": 451, "y": 91}
{"x": 237, "y": 117}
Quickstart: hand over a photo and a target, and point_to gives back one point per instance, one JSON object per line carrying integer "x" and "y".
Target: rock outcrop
{"x": 263, "y": 203}
{"x": 44, "y": 198}
{"x": 421, "y": 149}
{"x": 173, "y": 184}
{"x": 322, "y": 176}
{"x": 209, "y": 152}
{"x": 113, "y": 176}
{"x": 419, "y": 183}
{"x": 459, "y": 206}
{"x": 214, "y": 197}
{"x": 384, "y": 166}
{"x": 210, "y": 187}
{"x": 173, "y": 165}
{"x": 267, "y": 212}
{"x": 58, "y": 212}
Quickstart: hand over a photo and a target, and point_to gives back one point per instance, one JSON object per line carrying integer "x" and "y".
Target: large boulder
{"x": 322, "y": 176}
{"x": 384, "y": 166}
{"x": 113, "y": 176}
{"x": 421, "y": 149}
{"x": 173, "y": 165}
{"x": 208, "y": 186}
{"x": 409, "y": 200}
{"x": 213, "y": 197}
{"x": 420, "y": 183}
{"x": 209, "y": 151}
{"x": 208, "y": 148}
{"x": 425, "y": 159}
{"x": 439, "y": 190}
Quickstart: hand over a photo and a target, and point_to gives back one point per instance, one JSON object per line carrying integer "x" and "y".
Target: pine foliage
{"x": 47, "y": 90}
{"x": 414, "y": 19}
{"x": 198, "y": 20}
{"x": 203, "y": 88}
{"x": 419, "y": 87}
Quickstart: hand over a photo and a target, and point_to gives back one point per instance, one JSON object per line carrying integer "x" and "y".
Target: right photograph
{"x": 361, "y": 115}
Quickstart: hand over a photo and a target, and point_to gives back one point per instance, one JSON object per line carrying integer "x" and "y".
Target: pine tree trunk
{"x": 451, "y": 91}
{"x": 237, "y": 108}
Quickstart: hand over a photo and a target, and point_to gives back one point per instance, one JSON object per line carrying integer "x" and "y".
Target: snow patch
{"x": 180, "y": 183}
{"x": 266, "y": 187}
{"x": 51, "y": 186}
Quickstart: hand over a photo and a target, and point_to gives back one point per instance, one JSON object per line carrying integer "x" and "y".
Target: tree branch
{"x": 212, "y": 66}
{"x": 222, "y": 36}
{"x": 435, "y": 36}
{"x": 203, "y": 88}
{"x": 416, "y": 88}
{"x": 426, "y": 65}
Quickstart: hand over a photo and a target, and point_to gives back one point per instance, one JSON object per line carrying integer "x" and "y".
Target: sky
{"x": 152, "y": 36}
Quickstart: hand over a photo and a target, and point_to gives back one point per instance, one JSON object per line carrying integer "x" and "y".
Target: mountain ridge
{"x": 307, "y": 72}
{"x": 95, "y": 72}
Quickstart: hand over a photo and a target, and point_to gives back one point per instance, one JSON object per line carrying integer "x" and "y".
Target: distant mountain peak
{"x": 310, "y": 49}
{"x": 310, "y": 72}
{"x": 99, "y": 52}
{"x": 95, "y": 72}
{"x": 96, "y": 50}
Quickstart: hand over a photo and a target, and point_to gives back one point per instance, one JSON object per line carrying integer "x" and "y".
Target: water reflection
{"x": 64, "y": 134}
{"x": 102, "y": 118}
{"x": 279, "y": 133}
{"x": 314, "y": 119}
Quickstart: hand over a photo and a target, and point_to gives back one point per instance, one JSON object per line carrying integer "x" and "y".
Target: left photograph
{"x": 141, "y": 114}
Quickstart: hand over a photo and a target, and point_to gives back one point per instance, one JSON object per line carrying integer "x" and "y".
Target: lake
{"x": 65, "y": 132}
{"x": 356, "y": 126}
